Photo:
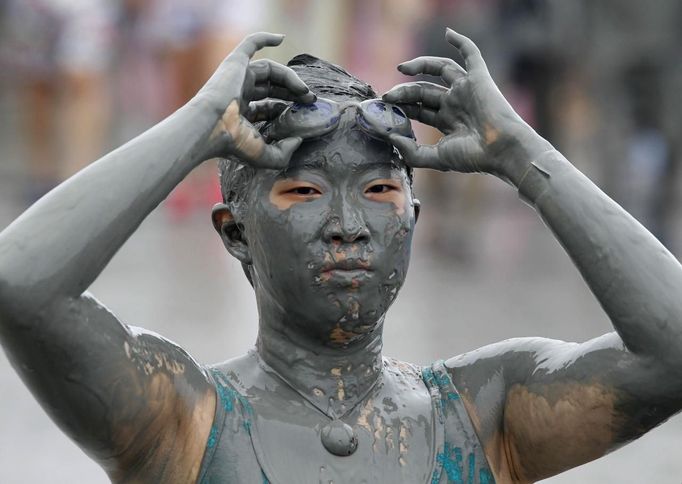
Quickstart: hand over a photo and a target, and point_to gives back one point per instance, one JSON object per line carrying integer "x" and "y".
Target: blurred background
{"x": 598, "y": 78}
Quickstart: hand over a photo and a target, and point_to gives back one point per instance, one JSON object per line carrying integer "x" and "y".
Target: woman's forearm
{"x": 60, "y": 245}
{"x": 634, "y": 277}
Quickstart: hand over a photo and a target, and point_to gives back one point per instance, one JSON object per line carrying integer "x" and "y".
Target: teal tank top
{"x": 230, "y": 456}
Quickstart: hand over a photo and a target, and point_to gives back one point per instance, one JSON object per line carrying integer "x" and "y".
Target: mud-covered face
{"x": 330, "y": 237}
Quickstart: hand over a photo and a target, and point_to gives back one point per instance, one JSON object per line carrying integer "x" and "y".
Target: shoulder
{"x": 515, "y": 359}
{"x": 162, "y": 407}
{"x": 483, "y": 378}
{"x": 525, "y": 395}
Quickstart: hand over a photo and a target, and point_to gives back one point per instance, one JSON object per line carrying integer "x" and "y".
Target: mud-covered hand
{"x": 479, "y": 124}
{"x": 241, "y": 92}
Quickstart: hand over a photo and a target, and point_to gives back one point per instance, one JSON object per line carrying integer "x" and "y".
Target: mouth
{"x": 348, "y": 272}
{"x": 352, "y": 278}
{"x": 347, "y": 265}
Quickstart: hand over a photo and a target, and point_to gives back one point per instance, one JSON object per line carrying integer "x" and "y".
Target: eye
{"x": 304, "y": 191}
{"x": 380, "y": 188}
{"x": 289, "y": 191}
{"x": 385, "y": 190}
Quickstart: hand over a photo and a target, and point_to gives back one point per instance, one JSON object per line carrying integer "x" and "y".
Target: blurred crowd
{"x": 599, "y": 78}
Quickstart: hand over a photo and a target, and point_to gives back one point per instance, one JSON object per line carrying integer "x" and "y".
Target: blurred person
{"x": 60, "y": 52}
{"x": 575, "y": 115}
{"x": 646, "y": 166}
{"x": 318, "y": 208}
{"x": 648, "y": 159}
{"x": 455, "y": 229}
{"x": 372, "y": 21}
{"x": 190, "y": 37}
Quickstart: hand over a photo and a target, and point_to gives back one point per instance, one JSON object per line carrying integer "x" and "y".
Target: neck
{"x": 334, "y": 379}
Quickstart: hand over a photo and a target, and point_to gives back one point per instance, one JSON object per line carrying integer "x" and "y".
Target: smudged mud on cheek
{"x": 279, "y": 202}
{"x": 399, "y": 201}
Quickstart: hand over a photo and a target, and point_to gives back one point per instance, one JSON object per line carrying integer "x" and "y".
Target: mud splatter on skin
{"x": 339, "y": 337}
{"x": 150, "y": 361}
{"x": 403, "y": 445}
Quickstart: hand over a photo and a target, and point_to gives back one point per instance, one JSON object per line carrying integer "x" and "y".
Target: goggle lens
{"x": 374, "y": 116}
{"x": 380, "y": 118}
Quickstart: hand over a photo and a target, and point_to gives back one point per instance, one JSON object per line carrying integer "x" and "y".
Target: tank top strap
{"x": 460, "y": 459}
{"x": 228, "y": 461}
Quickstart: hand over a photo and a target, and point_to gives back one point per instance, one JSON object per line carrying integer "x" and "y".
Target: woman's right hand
{"x": 237, "y": 92}
{"x": 482, "y": 131}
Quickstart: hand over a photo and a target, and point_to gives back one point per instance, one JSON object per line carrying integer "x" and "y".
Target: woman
{"x": 319, "y": 210}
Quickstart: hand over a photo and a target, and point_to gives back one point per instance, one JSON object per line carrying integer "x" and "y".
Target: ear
{"x": 417, "y": 208}
{"x": 231, "y": 232}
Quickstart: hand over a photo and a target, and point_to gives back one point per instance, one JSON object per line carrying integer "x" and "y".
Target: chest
{"x": 395, "y": 433}
{"x": 410, "y": 428}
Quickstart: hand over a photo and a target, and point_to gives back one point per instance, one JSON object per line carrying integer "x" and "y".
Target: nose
{"x": 345, "y": 224}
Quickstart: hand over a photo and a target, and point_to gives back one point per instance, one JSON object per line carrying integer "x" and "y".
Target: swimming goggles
{"x": 374, "y": 116}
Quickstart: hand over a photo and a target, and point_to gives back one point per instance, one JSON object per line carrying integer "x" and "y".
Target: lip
{"x": 347, "y": 265}
{"x": 345, "y": 277}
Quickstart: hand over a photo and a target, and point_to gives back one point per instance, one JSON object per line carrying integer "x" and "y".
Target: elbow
{"x": 5, "y": 297}
{"x": 10, "y": 303}
{"x": 17, "y": 304}
{"x": 658, "y": 341}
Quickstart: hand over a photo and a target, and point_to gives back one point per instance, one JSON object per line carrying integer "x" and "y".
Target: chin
{"x": 347, "y": 316}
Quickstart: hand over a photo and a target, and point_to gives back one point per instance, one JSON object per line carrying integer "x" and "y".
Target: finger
{"x": 426, "y": 93}
{"x": 255, "y": 42}
{"x": 264, "y": 110}
{"x": 470, "y": 52}
{"x": 446, "y": 68}
{"x": 268, "y": 71}
{"x": 262, "y": 91}
{"x": 276, "y": 156}
{"x": 416, "y": 155}
{"x": 421, "y": 113}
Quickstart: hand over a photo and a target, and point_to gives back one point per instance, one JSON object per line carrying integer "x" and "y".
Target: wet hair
{"x": 325, "y": 80}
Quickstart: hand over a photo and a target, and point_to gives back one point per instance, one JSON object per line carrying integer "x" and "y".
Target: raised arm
{"x": 544, "y": 406}
{"x": 135, "y": 402}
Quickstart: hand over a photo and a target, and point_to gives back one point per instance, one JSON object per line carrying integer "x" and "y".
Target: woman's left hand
{"x": 479, "y": 124}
